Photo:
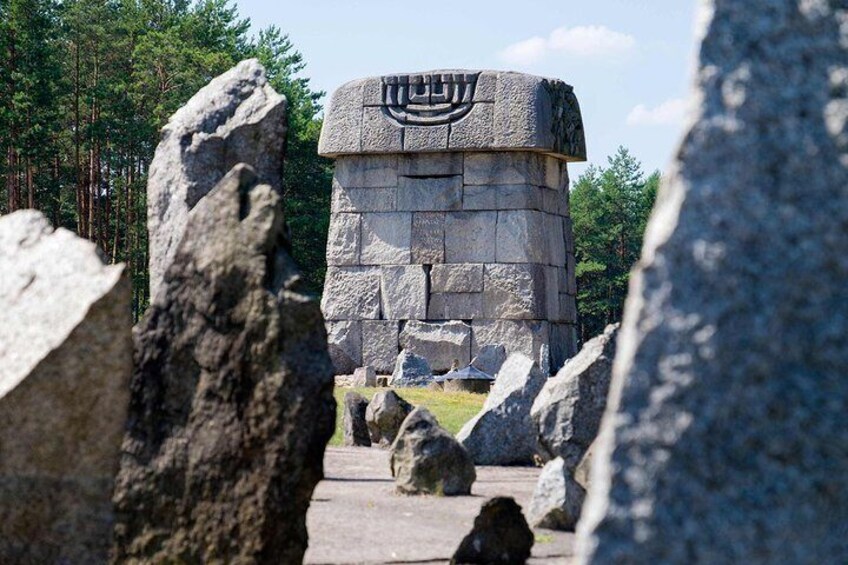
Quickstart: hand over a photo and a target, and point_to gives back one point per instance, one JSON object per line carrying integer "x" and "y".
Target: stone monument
{"x": 450, "y": 226}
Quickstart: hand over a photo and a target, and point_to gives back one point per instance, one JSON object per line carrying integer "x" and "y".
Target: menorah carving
{"x": 428, "y": 99}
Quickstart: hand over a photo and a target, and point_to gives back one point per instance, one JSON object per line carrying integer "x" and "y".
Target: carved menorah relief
{"x": 428, "y": 99}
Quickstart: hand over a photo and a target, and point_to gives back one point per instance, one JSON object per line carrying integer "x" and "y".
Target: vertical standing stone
{"x": 65, "y": 363}
{"x": 725, "y": 441}
{"x": 440, "y": 178}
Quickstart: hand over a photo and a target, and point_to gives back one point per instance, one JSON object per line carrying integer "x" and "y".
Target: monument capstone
{"x": 450, "y": 226}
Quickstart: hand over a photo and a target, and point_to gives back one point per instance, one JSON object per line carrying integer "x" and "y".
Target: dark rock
{"x": 725, "y": 439}
{"x": 500, "y": 536}
{"x": 567, "y": 413}
{"x": 355, "y": 427}
{"x": 428, "y": 460}
{"x": 411, "y": 370}
{"x": 557, "y": 499}
{"x": 384, "y": 416}
{"x": 490, "y": 359}
{"x": 232, "y": 403}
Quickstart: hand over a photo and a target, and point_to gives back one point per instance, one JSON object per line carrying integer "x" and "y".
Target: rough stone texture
{"x": 344, "y": 342}
{"x": 351, "y": 293}
{"x": 65, "y": 363}
{"x": 725, "y": 439}
{"x": 502, "y": 433}
{"x": 457, "y": 278}
{"x": 584, "y": 468}
{"x": 428, "y": 460}
{"x": 428, "y": 238}
{"x": 380, "y": 345}
{"x": 557, "y": 500}
{"x": 403, "y": 292}
{"x": 386, "y": 239}
{"x": 353, "y": 420}
{"x": 563, "y": 344}
{"x": 567, "y": 413}
{"x": 522, "y": 237}
{"x": 236, "y": 118}
{"x": 343, "y": 241}
{"x": 517, "y": 336}
{"x": 411, "y": 370}
{"x": 441, "y": 343}
{"x": 430, "y": 164}
{"x": 372, "y": 171}
{"x": 385, "y": 413}
{"x": 447, "y": 305}
{"x": 232, "y": 401}
{"x": 429, "y": 194}
{"x": 500, "y": 536}
{"x": 515, "y": 292}
{"x": 353, "y": 199}
{"x": 489, "y": 359}
{"x": 504, "y": 169}
{"x": 469, "y": 237}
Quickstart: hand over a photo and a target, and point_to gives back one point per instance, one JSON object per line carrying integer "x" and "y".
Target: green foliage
{"x": 609, "y": 208}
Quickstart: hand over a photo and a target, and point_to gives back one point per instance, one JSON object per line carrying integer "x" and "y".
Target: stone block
{"x": 553, "y": 168}
{"x": 372, "y": 92}
{"x": 380, "y": 345}
{"x": 430, "y": 164}
{"x": 469, "y": 237}
{"x": 365, "y": 376}
{"x": 555, "y": 239}
{"x": 530, "y": 338}
{"x": 503, "y": 197}
{"x": 521, "y": 237}
{"x": 522, "y": 104}
{"x": 386, "y": 238}
{"x": 351, "y": 293}
{"x": 428, "y": 238}
{"x": 426, "y": 138}
{"x": 474, "y": 131}
{"x": 486, "y": 89}
{"x": 379, "y": 135}
{"x": 367, "y": 171}
{"x": 344, "y": 341}
{"x": 552, "y": 309}
{"x": 403, "y": 291}
{"x": 466, "y": 277}
{"x": 441, "y": 343}
{"x": 363, "y": 199}
{"x": 343, "y": 240}
{"x": 515, "y": 292}
{"x": 551, "y": 201}
{"x": 342, "y": 128}
{"x": 571, "y": 273}
{"x": 455, "y": 306}
{"x": 568, "y": 308}
{"x": 568, "y": 235}
{"x": 479, "y": 197}
{"x": 563, "y": 344}
{"x": 505, "y": 168}
{"x": 429, "y": 194}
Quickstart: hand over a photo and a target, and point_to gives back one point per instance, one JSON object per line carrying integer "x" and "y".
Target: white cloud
{"x": 672, "y": 112}
{"x": 581, "y": 41}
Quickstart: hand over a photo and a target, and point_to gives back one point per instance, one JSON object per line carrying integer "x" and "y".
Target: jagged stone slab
{"x": 354, "y": 425}
{"x": 384, "y": 416}
{"x": 236, "y": 118}
{"x": 232, "y": 400}
{"x": 441, "y": 343}
{"x": 567, "y": 413}
{"x": 531, "y": 338}
{"x": 500, "y": 536}
{"x": 489, "y": 359}
{"x": 725, "y": 440}
{"x": 411, "y": 371}
{"x": 502, "y": 432}
{"x": 344, "y": 340}
{"x": 557, "y": 500}
{"x": 426, "y": 459}
{"x": 65, "y": 363}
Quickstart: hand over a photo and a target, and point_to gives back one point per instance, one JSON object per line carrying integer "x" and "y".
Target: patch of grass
{"x": 451, "y": 409}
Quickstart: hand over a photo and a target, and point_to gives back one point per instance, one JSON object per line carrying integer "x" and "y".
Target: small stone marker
{"x": 353, "y": 420}
{"x": 500, "y": 536}
{"x": 365, "y": 376}
{"x": 384, "y": 416}
{"x": 429, "y": 168}
{"x": 726, "y": 437}
{"x": 411, "y": 371}
{"x": 557, "y": 499}
{"x": 65, "y": 364}
{"x": 428, "y": 460}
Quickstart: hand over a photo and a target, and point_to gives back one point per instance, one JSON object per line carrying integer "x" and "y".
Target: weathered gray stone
{"x": 386, "y": 238}
{"x": 236, "y": 118}
{"x": 429, "y": 194}
{"x": 379, "y": 135}
{"x": 568, "y": 308}
{"x": 430, "y": 164}
{"x": 474, "y": 386}
{"x": 584, "y": 468}
{"x": 365, "y": 376}
{"x": 476, "y": 130}
{"x": 567, "y": 413}
{"x": 518, "y": 336}
{"x": 563, "y": 344}
{"x": 489, "y": 359}
{"x": 403, "y": 290}
{"x": 353, "y": 420}
{"x": 552, "y": 302}
{"x": 487, "y": 84}
{"x": 380, "y": 344}
{"x": 425, "y": 138}
{"x": 522, "y": 237}
{"x": 65, "y": 363}
{"x": 367, "y": 171}
{"x": 553, "y": 168}
{"x": 502, "y": 432}
{"x": 515, "y": 292}
{"x": 725, "y": 439}
{"x": 428, "y": 460}
{"x": 428, "y": 238}
{"x": 504, "y": 168}
{"x": 455, "y": 306}
{"x": 344, "y": 342}
{"x": 500, "y": 536}
{"x": 468, "y": 237}
{"x": 384, "y": 416}
{"x": 557, "y": 500}
{"x": 457, "y": 278}
{"x": 232, "y": 400}
{"x": 554, "y": 239}
{"x": 441, "y": 343}
{"x": 503, "y": 197}
{"x": 343, "y": 240}
{"x": 363, "y": 199}
{"x": 342, "y": 128}
{"x": 411, "y": 370}
{"x": 351, "y": 293}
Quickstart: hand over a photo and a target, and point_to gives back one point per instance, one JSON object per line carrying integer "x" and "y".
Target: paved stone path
{"x": 355, "y": 517}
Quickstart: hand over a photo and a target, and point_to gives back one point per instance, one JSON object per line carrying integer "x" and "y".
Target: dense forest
{"x": 86, "y": 87}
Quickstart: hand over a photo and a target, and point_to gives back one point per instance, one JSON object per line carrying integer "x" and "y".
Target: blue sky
{"x": 630, "y": 61}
